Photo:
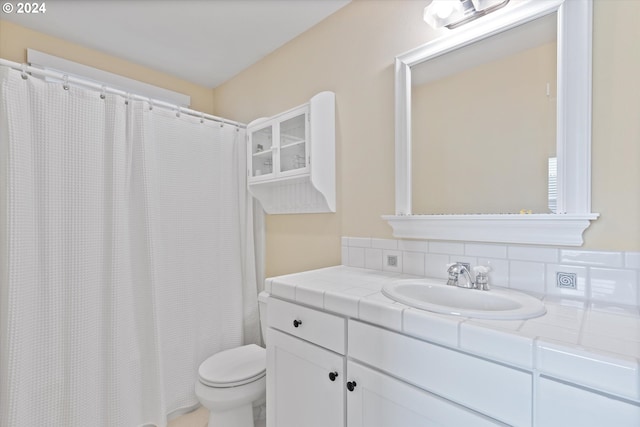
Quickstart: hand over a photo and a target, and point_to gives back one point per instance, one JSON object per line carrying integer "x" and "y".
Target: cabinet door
{"x": 495, "y": 390}
{"x": 378, "y": 400}
{"x": 293, "y": 142}
{"x": 300, "y": 391}
{"x": 260, "y": 153}
{"x": 562, "y": 405}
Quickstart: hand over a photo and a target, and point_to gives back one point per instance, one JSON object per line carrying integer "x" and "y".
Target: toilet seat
{"x": 235, "y": 367}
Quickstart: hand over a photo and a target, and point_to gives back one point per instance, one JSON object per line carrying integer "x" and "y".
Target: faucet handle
{"x": 453, "y": 271}
{"x": 482, "y": 277}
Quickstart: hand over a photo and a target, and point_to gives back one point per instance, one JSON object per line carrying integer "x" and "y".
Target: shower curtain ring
{"x": 65, "y": 82}
{"x": 23, "y": 74}
{"x": 177, "y": 111}
{"x": 150, "y": 104}
{"x": 201, "y": 117}
{"x": 103, "y": 92}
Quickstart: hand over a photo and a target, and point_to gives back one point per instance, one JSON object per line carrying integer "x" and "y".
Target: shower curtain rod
{"x": 65, "y": 78}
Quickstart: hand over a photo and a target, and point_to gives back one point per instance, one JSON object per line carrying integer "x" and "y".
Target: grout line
{"x": 583, "y": 322}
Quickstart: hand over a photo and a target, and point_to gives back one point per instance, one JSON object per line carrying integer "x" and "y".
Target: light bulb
{"x": 443, "y": 12}
{"x": 443, "y": 9}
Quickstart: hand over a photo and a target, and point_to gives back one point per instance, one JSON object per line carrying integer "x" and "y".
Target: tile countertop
{"x": 587, "y": 344}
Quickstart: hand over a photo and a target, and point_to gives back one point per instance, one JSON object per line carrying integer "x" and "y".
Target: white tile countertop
{"x": 593, "y": 345}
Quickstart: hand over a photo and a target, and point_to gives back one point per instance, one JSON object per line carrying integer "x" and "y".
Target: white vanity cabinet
{"x": 397, "y": 366}
{"x": 305, "y": 386}
{"x": 328, "y": 370}
{"x": 560, "y": 405}
{"x": 492, "y": 389}
{"x": 305, "y": 367}
{"x": 312, "y": 379}
{"x": 379, "y": 400}
{"x": 291, "y": 158}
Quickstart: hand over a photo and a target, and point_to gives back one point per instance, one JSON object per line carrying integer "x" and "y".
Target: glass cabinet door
{"x": 293, "y": 144}
{"x": 262, "y": 151}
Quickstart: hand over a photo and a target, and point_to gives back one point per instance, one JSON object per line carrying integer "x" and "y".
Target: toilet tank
{"x": 263, "y": 299}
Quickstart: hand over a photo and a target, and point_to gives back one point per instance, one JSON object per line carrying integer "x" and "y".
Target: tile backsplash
{"x": 600, "y": 276}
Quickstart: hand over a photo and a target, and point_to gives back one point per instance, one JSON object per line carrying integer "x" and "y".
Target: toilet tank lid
{"x": 235, "y": 365}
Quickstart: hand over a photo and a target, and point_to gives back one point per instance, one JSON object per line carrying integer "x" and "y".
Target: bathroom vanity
{"x": 340, "y": 353}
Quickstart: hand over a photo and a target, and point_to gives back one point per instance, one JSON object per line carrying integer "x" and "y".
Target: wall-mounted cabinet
{"x": 291, "y": 158}
{"x": 279, "y": 147}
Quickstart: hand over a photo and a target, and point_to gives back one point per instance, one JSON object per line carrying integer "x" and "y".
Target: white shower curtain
{"x": 122, "y": 239}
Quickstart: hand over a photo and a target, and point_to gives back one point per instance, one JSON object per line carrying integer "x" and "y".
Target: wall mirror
{"x": 482, "y": 112}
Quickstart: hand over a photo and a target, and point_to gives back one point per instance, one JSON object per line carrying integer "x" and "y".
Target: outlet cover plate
{"x": 392, "y": 260}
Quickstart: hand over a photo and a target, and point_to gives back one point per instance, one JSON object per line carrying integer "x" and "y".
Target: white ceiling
{"x": 203, "y": 41}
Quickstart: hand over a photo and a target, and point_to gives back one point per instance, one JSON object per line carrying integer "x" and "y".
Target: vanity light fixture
{"x": 454, "y": 13}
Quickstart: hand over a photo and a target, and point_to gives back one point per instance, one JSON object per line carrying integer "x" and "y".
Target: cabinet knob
{"x": 351, "y": 385}
{"x": 333, "y": 376}
{"x": 297, "y": 323}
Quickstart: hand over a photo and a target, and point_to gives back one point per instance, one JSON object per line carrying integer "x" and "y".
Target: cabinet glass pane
{"x": 293, "y": 153}
{"x": 262, "y": 151}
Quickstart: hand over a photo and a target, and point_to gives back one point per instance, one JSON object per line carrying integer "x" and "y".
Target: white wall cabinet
{"x": 291, "y": 158}
{"x": 279, "y": 146}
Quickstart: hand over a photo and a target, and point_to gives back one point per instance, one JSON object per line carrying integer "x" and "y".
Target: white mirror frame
{"x": 573, "y": 135}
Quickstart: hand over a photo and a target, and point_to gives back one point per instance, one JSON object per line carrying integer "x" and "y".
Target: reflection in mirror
{"x": 553, "y": 184}
{"x": 484, "y": 133}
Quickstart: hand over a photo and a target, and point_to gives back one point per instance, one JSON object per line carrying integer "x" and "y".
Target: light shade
{"x": 453, "y": 13}
{"x": 441, "y": 13}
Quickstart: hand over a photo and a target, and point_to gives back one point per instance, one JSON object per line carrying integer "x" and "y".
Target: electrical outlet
{"x": 392, "y": 260}
{"x": 566, "y": 280}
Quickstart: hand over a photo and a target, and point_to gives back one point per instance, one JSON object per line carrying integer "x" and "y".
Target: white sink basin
{"x": 432, "y": 295}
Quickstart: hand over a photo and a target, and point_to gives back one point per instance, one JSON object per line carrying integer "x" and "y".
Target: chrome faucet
{"x": 464, "y": 272}
{"x": 458, "y": 269}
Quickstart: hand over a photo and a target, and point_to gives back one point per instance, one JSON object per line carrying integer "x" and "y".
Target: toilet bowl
{"x": 231, "y": 381}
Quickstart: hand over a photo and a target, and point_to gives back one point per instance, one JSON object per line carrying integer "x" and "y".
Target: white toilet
{"x": 230, "y": 382}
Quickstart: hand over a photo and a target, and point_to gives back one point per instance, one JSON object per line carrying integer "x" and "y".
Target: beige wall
{"x": 15, "y": 40}
{"x": 352, "y": 52}
{"x": 616, "y": 126}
